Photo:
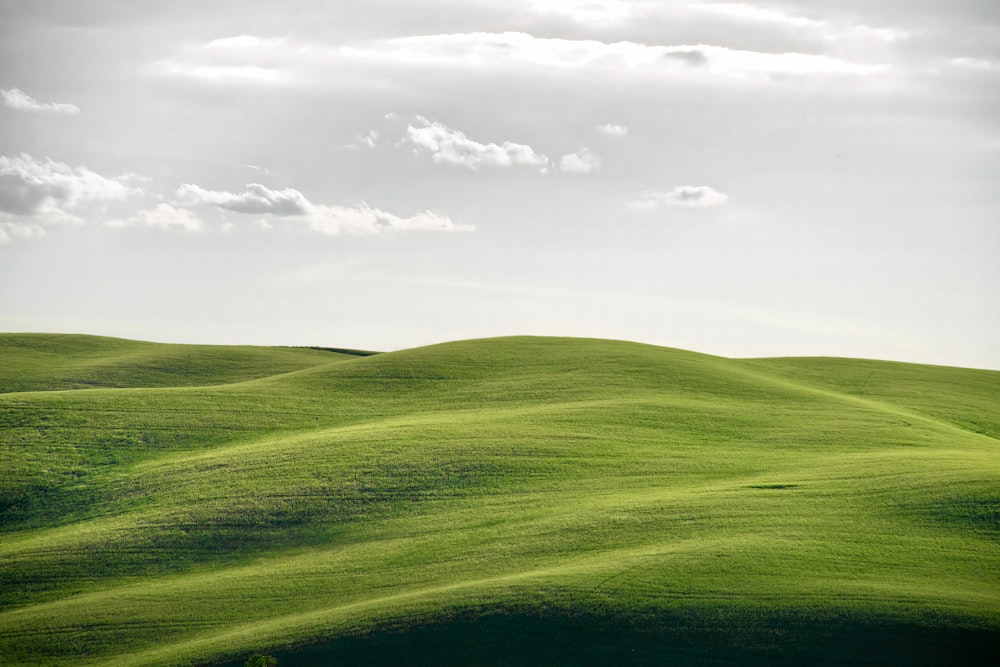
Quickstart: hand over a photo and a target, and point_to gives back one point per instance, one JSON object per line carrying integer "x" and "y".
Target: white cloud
{"x": 9, "y": 231}
{"x": 684, "y": 196}
{"x": 16, "y": 98}
{"x": 612, "y": 130}
{"x": 450, "y": 146}
{"x": 364, "y": 219}
{"x": 584, "y": 161}
{"x": 481, "y": 50}
{"x": 254, "y": 61}
{"x": 361, "y": 141}
{"x": 257, "y": 199}
{"x": 164, "y": 216}
{"x": 243, "y": 58}
{"x": 975, "y": 64}
{"x": 588, "y": 12}
{"x": 326, "y": 219}
{"x": 245, "y": 43}
{"x": 29, "y": 186}
{"x": 755, "y": 14}
{"x": 248, "y": 73}
{"x": 835, "y": 32}
{"x": 864, "y": 32}
{"x": 614, "y": 13}
{"x": 133, "y": 180}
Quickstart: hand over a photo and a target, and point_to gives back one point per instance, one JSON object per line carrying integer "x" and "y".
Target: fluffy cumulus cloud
{"x": 331, "y": 220}
{"x": 682, "y": 196}
{"x": 450, "y": 146}
{"x": 15, "y": 98}
{"x": 257, "y": 199}
{"x": 32, "y": 187}
{"x": 365, "y": 219}
{"x": 164, "y": 216}
{"x": 611, "y": 130}
{"x": 584, "y": 161}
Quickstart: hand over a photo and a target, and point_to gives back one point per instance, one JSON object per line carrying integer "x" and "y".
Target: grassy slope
{"x": 525, "y": 499}
{"x": 41, "y": 362}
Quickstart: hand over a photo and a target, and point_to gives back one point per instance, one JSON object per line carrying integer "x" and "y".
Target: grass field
{"x": 502, "y": 501}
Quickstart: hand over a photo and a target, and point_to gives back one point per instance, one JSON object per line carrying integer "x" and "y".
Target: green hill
{"x": 501, "y": 501}
{"x": 42, "y": 362}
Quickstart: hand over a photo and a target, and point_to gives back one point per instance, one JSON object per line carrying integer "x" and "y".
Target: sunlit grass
{"x": 629, "y": 503}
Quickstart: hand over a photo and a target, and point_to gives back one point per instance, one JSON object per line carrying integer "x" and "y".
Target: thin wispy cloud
{"x": 832, "y": 31}
{"x": 15, "y": 98}
{"x": 633, "y": 13}
{"x": 222, "y": 73}
{"x": 256, "y": 61}
{"x": 517, "y": 50}
{"x": 245, "y": 42}
{"x": 364, "y": 141}
{"x": 588, "y": 12}
{"x": 18, "y": 230}
{"x": 682, "y": 196}
{"x": 611, "y": 130}
{"x": 332, "y": 220}
{"x": 249, "y": 59}
{"x": 975, "y": 64}
{"x": 163, "y": 216}
{"x": 755, "y": 14}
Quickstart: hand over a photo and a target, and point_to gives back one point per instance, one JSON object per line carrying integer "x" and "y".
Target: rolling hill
{"x": 502, "y": 501}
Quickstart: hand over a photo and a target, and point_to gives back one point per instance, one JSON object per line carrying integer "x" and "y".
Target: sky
{"x": 743, "y": 179}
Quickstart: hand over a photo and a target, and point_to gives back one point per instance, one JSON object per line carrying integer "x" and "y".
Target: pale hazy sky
{"x": 743, "y": 179}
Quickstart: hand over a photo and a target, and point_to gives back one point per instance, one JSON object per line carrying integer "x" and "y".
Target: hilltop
{"x": 511, "y": 500}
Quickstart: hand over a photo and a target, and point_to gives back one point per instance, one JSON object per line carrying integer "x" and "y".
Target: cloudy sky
{"x": 744, "y": 179}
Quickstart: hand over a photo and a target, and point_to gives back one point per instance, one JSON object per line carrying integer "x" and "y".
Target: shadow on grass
{"x": 233, "y": 530}
{"x": 684, "y": 637}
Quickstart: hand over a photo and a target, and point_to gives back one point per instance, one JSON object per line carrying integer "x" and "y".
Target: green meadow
{"x": 505, "y": 501}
